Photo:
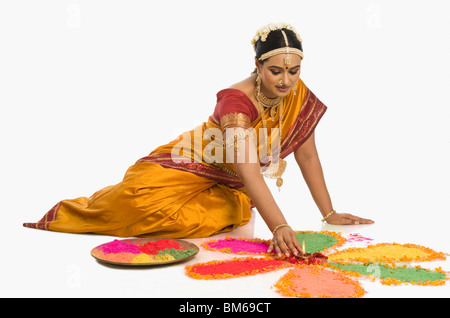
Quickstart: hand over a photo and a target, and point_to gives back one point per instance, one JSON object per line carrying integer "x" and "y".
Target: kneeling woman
{"x": 187, "y": 188}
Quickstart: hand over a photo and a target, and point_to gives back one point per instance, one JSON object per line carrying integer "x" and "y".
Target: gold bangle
{"x": 325, "y": 218}
{"x": 279, "y": 226}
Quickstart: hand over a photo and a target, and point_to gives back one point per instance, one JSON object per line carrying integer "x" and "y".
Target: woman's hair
{"x": 275, "y": 40}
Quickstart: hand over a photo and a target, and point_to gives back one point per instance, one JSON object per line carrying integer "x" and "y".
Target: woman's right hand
{"x": 285, "y": 242}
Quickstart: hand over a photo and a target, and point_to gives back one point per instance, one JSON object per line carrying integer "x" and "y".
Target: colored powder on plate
{"x": 117, "y": 246}
{"x": 387, "y": 252}
{"x": 414, "y": 275}
{"x": 316, "y": 242}
{"x": 240, "y": 246}
{"x": 153, "y": 248}
{"x": 145, "y": 258}
{"x": 314, "y": 281}
{"x": 233, "y": 268}
{"x": 164, "y": 257}
{"x": 118, "y": 257}
{"x": 148, "y": 248}
{"x": 177, "y": 254}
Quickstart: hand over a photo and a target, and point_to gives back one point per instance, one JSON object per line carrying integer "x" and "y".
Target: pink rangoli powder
{"x": 117, "y": 246}
{"x": 355, "y": 237}
{"x": 239, "y": 246}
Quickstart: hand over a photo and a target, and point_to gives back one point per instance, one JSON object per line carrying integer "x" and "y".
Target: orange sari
{"x": 175, "y": 192}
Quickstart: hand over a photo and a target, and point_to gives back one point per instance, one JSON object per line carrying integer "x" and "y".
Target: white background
{"x": 89, "y": 87}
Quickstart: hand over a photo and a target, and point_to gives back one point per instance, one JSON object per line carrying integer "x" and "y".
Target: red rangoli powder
{"x": 153, "y": 248}
{"x": 233, "y": 268}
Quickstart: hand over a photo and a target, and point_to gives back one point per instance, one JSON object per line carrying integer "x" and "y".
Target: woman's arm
{"x": 308, "y": 160}
{"x": 249, "y": 171}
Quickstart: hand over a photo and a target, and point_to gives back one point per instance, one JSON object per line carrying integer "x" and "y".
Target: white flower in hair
{"x": 263, "y": 32}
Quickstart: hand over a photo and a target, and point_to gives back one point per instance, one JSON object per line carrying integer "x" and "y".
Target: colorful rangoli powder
{"x": 141, "y": 251}
{"x": 177, "y": 254}
{"x": 313, "y": 281}
{"x": 117, "y": 246}
{"x": 118, "y": 257}
{"x": 394, "y": 275}
{"x": 329, "y": 278}
{"x": 145, "y": 258}
{"x": 355, "y": 237}
{"x": 319, "y": 241}
{"x": 238, "y": 245}
{"x": 153, "y": 248}
{"x": 387, "y": 252}
{"x": 233, "y": 268}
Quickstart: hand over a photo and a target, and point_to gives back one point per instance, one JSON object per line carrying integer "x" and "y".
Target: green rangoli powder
{"x": 177, "y": 254}
{"x": 408, "y": 274}
{"x": 316, "y": 242}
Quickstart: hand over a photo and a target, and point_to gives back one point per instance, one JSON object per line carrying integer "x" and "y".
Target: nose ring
{"x": 280, "y": 83}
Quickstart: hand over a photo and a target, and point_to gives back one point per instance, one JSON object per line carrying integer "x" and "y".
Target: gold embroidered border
{"x": 235, "y": 120}
{"x": 213, "y": 172}
{"x": 299, "y": 135}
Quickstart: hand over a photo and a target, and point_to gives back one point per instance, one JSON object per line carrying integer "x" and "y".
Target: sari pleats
{"x": 152, "y": 201}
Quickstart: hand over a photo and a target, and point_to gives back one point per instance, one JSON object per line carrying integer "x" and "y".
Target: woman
{"x": 206, "y": 181}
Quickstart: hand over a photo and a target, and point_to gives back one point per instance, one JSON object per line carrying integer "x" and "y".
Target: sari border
{"x": 185, "y": 164}
{"x": 304, "y": 125}
{"x": 48, "y": 218}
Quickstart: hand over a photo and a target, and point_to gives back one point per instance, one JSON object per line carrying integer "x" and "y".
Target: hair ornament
{"x": 263, "y": 32}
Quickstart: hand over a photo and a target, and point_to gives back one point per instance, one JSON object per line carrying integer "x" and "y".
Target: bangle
{"x": 279, "y": 226}
{"x": 325, "y": 218}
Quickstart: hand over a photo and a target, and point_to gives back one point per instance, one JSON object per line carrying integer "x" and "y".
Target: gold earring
{"x": 258, "y": 82}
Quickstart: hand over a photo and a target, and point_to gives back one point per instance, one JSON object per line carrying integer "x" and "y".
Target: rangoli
{"x": 327, "y": 272}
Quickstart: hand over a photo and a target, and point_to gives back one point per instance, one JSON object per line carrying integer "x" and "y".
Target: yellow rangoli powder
{"x": 387, "y": 252}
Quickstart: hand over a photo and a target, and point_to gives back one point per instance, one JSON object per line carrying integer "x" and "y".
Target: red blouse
{"x": 233, "y": 101}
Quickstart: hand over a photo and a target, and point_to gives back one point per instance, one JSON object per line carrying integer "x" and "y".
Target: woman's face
{"x": 274, "y": 70}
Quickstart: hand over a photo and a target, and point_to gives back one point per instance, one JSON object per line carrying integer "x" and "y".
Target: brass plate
{"x": 97, "y": 254}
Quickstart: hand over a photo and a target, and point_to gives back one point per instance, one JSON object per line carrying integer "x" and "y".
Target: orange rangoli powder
{"x": 314, "y": 281}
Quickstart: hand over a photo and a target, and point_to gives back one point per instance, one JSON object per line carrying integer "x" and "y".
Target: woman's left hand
{"x": 346, "y": 218}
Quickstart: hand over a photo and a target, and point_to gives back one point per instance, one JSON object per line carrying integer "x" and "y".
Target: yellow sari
{"x": 175, "y": 192}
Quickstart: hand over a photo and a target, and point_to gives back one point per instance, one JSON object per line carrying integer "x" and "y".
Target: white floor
{"x": 49, "y": 264}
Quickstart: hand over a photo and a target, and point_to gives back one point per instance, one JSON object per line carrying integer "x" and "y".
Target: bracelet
{"x": 279, "y": 226}
{"x": 325, "y": 218}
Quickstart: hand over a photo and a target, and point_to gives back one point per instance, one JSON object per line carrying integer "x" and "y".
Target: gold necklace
{"x": 274, "y": 170}
{"x": 271, "y": 103}
{"x": 266, "y": 101}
